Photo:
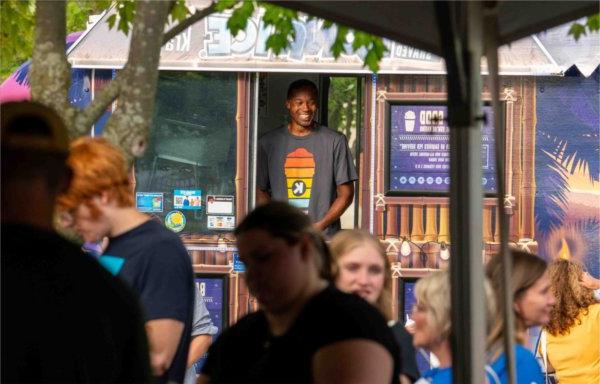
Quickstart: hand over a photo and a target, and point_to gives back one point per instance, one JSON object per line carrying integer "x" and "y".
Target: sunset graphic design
{"x": 299, "y": 170}
{"x": 567, "y": 203}
{"x": 576, "y": 202}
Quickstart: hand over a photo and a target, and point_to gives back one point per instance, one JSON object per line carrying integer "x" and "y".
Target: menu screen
{"x": 419, "y": 158}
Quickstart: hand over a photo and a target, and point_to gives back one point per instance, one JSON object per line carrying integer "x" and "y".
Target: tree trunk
{"x": 129, "y": 125}
{"x": 50, "y": 72}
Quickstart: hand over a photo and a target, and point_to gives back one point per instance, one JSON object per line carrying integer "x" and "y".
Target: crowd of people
{"x": 131, "y": 313}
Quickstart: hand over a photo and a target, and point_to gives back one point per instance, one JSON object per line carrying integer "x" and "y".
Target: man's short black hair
{"x": 301, "y": 84}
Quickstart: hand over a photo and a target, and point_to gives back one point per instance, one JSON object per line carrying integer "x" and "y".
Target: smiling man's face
{"x": 302, "y": 107}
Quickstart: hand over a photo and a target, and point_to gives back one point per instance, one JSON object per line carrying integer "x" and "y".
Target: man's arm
{"x": 262, "y": 197}
{"x": 353, "y": 361}
{"x": 163, "y": 339}
{"x": 198, "y": 348}
{"x": 345, "y": 195}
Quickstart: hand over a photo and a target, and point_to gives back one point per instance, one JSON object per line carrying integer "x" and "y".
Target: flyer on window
{"x": 221, "y": 222}
{"x": 220, "y": 205}
{"x": 187, "y": 199}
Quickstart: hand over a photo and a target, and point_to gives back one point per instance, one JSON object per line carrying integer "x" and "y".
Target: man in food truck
{"x": 305, "y": 163}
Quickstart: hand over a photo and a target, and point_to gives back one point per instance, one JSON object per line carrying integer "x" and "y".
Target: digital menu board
{"x": 419, "y": 149}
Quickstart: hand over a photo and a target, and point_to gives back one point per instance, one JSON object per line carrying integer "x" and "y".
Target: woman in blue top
{"x": 532, "y": 303}
{"x": 431, "y": 315}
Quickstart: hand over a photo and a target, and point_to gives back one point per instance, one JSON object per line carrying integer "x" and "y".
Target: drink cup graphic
{"x": 409, "y": 121}
{"x": 299, "y": 170}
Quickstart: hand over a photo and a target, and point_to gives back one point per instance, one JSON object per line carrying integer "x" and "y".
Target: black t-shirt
{"x": 408, "y": 355}
{"x": 154, "y": 262}
{"x": 64, "y": 318}
{"x": 248, "y": 353}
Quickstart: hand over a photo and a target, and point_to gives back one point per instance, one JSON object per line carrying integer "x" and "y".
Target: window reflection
{"x": 192, "y": 151}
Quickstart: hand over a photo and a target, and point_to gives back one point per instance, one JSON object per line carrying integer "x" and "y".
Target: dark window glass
{"x": 192, "y": 150}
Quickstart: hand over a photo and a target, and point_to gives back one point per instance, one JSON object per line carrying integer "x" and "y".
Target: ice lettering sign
{"x": 419, "y": 149}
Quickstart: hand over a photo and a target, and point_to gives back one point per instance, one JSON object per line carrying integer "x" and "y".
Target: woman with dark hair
{"x": 532, "y": 303}
{"x": 360, "y": 266}
{"x": 306, "y": 330}
{"x": 573, "y": 332}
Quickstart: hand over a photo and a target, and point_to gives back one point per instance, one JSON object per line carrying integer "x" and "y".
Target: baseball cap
{"x": 30, "y": 126}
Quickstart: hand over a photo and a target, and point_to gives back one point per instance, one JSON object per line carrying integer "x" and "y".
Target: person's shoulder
{"x": 273, "y": 134}
{"x": 339, "y": 309}
{"x": 528, "y": 368}
{"x": 436, "y": 376}
{"x": 250, "y": 326}
{"x": 328, "y": 132}
{"x": 156, "y": 235}
{"x": 594, "y": 310}
{"x": 526, "y": 360}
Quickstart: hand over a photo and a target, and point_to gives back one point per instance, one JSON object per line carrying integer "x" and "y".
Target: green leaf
{"x": 111, "y": 20}
{"x": 180, "y": 11}
{"x": 593, "y": 22}
{"x": 223, "y": 5}
{"x": 338, "y": 46}
{"x": 577, "y": 30}
{"x": 239, "y": 18}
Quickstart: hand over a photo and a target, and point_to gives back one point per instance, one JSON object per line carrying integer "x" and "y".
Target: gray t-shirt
{"x": 202, "y": 325}
{"x": 305, "y": 170}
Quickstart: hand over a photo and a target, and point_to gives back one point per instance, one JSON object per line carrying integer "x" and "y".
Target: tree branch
{"x": 88, "y": 116}
{"x": 183, "y": 25}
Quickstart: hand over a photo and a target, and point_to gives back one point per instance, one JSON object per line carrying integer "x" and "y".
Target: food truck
{"x": 218, "y": 93}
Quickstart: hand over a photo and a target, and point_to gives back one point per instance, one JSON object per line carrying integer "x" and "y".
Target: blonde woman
{"x": 573, "y": 333}
{"x": 360, "y": 266}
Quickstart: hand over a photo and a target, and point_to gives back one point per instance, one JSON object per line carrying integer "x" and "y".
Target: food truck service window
{"x": 418, "y": 149}
{"x": 186, "y": 178}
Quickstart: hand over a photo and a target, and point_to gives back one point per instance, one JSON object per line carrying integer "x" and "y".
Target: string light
{"x": 405, "y": 248}
{"x": 444, "y": 251}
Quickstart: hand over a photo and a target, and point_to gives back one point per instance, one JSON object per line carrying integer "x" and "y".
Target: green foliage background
{"x": 17, "y": 22}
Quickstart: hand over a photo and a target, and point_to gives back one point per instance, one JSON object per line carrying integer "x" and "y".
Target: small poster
{"x": 175, "y": 221}
{"x": 221, "y": 222}
{"x": 149, "y": 201}
{"x": 187, "y": 199}
{"x": 238, "y": 265}
{"x": 219, "y": 205}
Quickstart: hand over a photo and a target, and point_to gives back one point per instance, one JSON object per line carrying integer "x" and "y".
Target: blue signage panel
{"x": 419, "y": 158}
{"x": 238, "y": 265}
{"x": 149, "y": 201}
{"x": 187, "y": 199}
{"x": 212, "y": 290}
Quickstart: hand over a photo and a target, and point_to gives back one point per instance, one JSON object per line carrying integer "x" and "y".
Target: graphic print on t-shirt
{"x": 299, "y": 170}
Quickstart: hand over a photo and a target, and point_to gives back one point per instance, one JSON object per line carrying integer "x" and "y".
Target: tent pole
{"x": 491, "y": 48}
{"x": 463, "y": 50}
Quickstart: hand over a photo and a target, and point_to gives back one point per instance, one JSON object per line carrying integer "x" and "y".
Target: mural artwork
{"x": 567, "y": 203}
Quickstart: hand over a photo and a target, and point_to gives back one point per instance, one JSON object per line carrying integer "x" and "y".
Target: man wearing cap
{"x": 64, "y": 318}
{"x": 142, "y": 252}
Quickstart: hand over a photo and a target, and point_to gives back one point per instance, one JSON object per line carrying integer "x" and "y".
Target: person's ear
{"x": 101, "y": 200}
{"x": 305, "y": 247}
{"x": 288, "y": 105}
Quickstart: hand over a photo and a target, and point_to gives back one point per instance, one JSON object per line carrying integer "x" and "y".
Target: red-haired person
{"x": 572, "y": 339}
{"x": 149, "y": 257}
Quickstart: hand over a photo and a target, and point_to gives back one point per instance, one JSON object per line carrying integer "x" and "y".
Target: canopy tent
{"x": 460, "y": 32}
{"x": 209, "y": 46}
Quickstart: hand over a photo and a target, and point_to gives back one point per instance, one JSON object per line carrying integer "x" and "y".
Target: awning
{"x": 209, "y": 46}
